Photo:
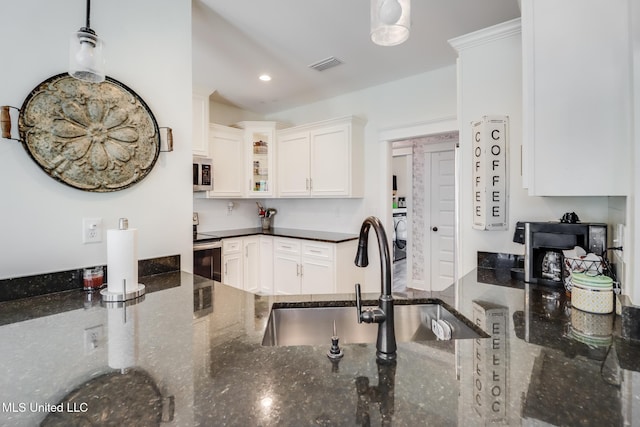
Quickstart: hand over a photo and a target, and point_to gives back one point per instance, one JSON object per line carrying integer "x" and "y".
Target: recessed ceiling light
{"x": 265, "y": 77}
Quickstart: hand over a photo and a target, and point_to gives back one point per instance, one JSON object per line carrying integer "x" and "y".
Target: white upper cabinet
{"x": 322, "y": 159}
{"x": 577, "y": 97}
{"x": 200, "y": 114}
{"x": 226, "y": 145}
{"x": 259, "y": 148}
{"x": 243, "y": 159}
{"x": 293, "y": 164}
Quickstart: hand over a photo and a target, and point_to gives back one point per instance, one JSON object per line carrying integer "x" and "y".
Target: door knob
{"x": 435, "y": 228}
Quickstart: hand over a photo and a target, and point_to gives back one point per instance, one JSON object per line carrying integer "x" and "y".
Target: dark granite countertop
{"x": 200, "y": 362}
{"x": 320, "y": 236}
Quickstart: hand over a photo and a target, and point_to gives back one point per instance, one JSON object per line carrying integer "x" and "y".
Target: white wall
{"x": 490, "y": 82}
{"x": 148, "y": 48}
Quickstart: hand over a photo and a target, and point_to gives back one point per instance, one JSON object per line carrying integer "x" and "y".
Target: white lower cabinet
{"x": 251, "y": 264}
{"x": 232, "y": 265}
{"x": 266, "y": 265}
{"x": 317, "y": 270}
{"x": 286, "y": 266}
{"x": 302, "y": 267}
{"x": 247, "y": 263}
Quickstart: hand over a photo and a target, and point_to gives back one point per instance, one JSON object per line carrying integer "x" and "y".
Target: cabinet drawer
{"x": 318, "y": 250}
{"x": 287, "y": 246}
{"x": 231, "y": 246}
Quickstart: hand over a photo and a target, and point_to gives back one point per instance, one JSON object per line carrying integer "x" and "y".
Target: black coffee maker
{"x": 545, "y": 242}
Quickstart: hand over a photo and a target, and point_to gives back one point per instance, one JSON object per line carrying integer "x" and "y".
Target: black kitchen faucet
{"x": 383, "y": 314}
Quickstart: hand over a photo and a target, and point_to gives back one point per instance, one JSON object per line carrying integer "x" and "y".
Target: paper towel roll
{"x": 122, "y": 260}
{"x": 122, "y": 343}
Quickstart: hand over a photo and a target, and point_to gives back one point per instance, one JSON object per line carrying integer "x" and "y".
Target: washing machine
{"x": 399, "y": 234}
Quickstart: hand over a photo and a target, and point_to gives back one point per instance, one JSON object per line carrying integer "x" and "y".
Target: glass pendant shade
{"x": 85, "y": 56}
{"x": 390, "y": 21}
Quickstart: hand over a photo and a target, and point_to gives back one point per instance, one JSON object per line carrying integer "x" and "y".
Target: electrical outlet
{"x": 93, "y": 338}
{"x": 91, "y": 230}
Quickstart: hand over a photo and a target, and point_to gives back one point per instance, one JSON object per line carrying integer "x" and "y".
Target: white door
{"x": 440, "y": 201}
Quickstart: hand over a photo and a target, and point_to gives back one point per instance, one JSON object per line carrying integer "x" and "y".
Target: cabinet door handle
{"x": 310, "y": 183}
{"x": 301, "y": 270}
{"x": 435, "y": 228}
{"x": 249, "y": 184}
{"x": 225, "y": 268}
{"x": 314, "y": 251}
{"x": 246, "y": 252}
{"x": 297, "y": 269}
{"x": 306, "y": 186}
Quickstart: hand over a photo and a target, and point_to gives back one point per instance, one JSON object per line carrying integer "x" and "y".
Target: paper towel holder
{"x": 124, "y": 296}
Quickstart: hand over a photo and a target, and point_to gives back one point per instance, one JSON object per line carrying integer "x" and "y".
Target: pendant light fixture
{"x": 85, "y": 54}
{"x": 390, "y": 21}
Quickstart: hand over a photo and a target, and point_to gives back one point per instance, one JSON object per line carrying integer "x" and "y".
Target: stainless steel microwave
{"x": 202, "y": 174}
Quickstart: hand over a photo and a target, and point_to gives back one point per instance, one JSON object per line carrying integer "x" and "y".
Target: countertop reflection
{"x": 544, "y": 361}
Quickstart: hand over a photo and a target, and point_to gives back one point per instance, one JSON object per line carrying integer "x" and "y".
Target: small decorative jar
{"x": 593, "y": 294}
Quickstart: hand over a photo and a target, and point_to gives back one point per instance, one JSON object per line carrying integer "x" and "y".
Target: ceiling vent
{"x": 330, "y": 62}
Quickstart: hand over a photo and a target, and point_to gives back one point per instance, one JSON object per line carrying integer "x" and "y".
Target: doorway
{"x": 430, "y": 212}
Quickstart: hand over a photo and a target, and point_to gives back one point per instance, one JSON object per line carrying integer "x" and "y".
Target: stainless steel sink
{"x": 302, "y": 324}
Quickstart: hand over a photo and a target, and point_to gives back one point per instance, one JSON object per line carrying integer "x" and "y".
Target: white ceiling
{"x": 236, "y": 40}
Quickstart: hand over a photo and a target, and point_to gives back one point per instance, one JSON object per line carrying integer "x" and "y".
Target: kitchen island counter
{"x": 205, "y": 358}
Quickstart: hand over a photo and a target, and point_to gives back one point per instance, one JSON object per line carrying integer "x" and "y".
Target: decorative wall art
{"x": 97, "y": 137}
{"x": 490, "y": 173}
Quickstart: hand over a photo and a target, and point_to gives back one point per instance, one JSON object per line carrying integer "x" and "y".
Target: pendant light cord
{"x": 88, "y": 13}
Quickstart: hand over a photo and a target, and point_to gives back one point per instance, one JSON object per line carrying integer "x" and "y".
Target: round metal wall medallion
{"x": 98, "y": 137}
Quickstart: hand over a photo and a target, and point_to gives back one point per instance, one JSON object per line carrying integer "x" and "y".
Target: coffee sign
{"x": 490, "y": 362}
{"x": 490, "y": 179}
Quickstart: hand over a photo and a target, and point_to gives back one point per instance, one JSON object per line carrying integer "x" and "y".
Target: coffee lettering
{"x": 496, "y": 391}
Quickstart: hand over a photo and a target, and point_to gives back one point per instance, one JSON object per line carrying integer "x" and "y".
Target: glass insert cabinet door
{"x": 260, "y": 171}
{"x": 260, "y": 145}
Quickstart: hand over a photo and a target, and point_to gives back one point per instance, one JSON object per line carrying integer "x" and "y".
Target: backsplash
{"x": 42, "y": 284}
